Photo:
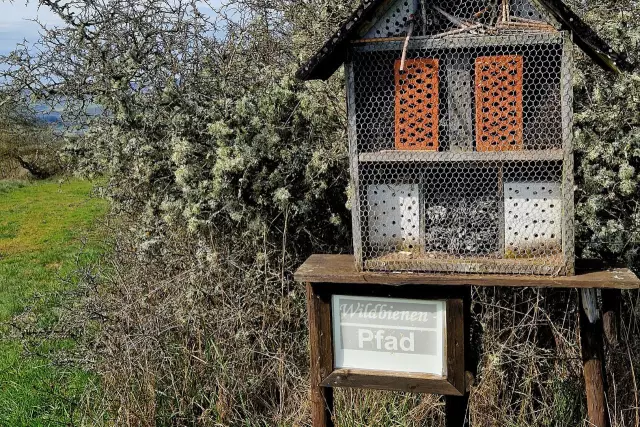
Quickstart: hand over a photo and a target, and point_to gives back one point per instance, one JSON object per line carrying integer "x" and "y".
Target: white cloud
{"x": 17, "y": 22}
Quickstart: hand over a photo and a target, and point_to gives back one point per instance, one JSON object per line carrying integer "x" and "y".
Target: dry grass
{"x": 193, "y": 333}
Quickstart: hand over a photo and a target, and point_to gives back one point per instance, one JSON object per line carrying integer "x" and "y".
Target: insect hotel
{"x": 460, "y": 132}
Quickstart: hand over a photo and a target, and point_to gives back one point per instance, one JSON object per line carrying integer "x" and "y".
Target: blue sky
{"x": 16, "y": 22}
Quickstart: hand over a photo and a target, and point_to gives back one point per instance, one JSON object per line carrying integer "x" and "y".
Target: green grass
{"x": 46, "y": 228}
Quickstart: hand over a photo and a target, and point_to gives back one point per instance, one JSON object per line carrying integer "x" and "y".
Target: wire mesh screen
{"x": 461, "y": 153}
{"x": 451, "y": 17}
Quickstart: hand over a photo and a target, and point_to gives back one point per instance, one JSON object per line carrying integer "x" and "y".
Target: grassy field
{"x": 46, "y": 229}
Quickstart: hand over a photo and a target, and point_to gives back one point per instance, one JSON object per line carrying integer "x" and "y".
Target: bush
{"x": 225, "y": 173}
{"x": 26, "y": 144}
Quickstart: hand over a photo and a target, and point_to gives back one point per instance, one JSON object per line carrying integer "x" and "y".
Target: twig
{"x": 406, "y": 45}
{"x": 458, "y": 31}
{"x": 449, "y": 17}
{"x": 522, "y": 25}
{"x": 423, "y": 7}
{"x": 505, "y": 10}
{"x": 526, "y": 20}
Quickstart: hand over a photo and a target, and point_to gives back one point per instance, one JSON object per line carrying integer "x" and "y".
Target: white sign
{"x": 389, "y": 334}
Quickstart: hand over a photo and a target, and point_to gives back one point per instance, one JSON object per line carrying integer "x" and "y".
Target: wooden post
{"x": 321, "y": 364}
{"x": 611, "y": 314}
{"x": 592, "y": 344}
{"x": 455, "y": 407}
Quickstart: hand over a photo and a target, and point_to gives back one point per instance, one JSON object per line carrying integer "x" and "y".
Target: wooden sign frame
{"x": 325, "y": 374}
{"x": 325, "y": 275}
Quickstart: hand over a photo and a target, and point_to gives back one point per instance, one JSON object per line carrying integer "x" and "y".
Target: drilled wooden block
{"x": 416, "y": 98}
{"x": 533, "y": 219}
{"x": 394, "y": 220}
{"x": 499, "y": 121}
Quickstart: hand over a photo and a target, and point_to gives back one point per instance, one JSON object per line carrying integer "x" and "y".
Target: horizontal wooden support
{"x": 547, "y": 266}
{"x": 467, "y": 40}
{"x": 379, "y": 380}
{"x": 462, "y": 156}
{"x": 342, "y": 269}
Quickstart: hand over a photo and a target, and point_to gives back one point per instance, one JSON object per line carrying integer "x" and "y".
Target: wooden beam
{"x": 611, "y": 299}
{"x": 593, "y": 359}
{"x": 459, "y": 145}
{"x": 436, "y": 42}
{"x": 321, "y": 363}
{"x": 456, "y": 407}
{"x": 396, "y": 381}
{"x": 586, "y": 38}
{"x": 337, "y": 269}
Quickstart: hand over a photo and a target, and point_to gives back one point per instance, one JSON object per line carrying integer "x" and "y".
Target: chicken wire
{"x": 442, "y": 17}
{"x": 461, "y": 152}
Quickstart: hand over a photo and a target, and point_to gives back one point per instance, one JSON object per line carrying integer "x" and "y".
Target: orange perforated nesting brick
{"x": 499, "y": 125}
{"x": 417, "y": 104}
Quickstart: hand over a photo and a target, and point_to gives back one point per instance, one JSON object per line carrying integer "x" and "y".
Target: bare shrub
{"x": 225, "y": 173}
{"x": 27, "y": 145}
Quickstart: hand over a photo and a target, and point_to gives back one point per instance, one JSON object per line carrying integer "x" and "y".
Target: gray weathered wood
{"x": 459, "y": 101}
{"x": 392, "y": 381}
{"x": 469, "y": 156}
{"x": 589, "y": 299}
{"x": 430, "y": 42}
{"x": 566, "y": 93}
{"x": 341, "y": 269}
{"x": 353, "y": 156}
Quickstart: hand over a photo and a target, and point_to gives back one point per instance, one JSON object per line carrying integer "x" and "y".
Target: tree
{"x": 26, "y": 142}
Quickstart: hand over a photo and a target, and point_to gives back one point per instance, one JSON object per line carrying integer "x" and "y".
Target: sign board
{"x": 389, "y": 334}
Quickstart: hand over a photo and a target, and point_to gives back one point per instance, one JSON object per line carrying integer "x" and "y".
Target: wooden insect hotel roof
{"x": 333, "y": 53}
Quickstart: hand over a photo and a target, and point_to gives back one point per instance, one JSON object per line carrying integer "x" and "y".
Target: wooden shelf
{"x": 532, "y": 37}
{"x": 545, "y": 266}
{"x": 462, "y": 156}
{"x": 331, "y": 269}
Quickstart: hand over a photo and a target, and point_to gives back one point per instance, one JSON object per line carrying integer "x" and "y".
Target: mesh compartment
{"x": 463, "y": 161}
{"x": 538, "y": 123}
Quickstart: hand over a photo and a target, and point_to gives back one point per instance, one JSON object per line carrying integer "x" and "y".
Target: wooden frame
{"x": 322, "y": 358}
{"x": 341, "y": 269}
{"x": 326, "y": 275}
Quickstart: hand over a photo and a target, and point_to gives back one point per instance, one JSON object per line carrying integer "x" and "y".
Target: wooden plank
{"x": 459, "y": 91}
{"x": 455, "y": 344}
{"x": 568, "y": 205}
{"x": 382, "y": 380}
{"x": 586, "y": 38}
{"x": 456, "y": 407}
{"x": 430, "y": 263}
{"x": 593, "y": 364}
{"x": 321, "y": 355}
{"x": 354, "y": 174}
{"x": 471, "y": 41}
{"x": 462, "y": 156}
{"x": 341, "y": 269}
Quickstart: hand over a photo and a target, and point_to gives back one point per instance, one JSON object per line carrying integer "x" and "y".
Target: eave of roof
{"x": 333, "y": 53}
{"x": 586, "y": 38}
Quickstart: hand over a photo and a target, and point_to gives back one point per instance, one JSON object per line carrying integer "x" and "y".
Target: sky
{"x": 16, "y": 22}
